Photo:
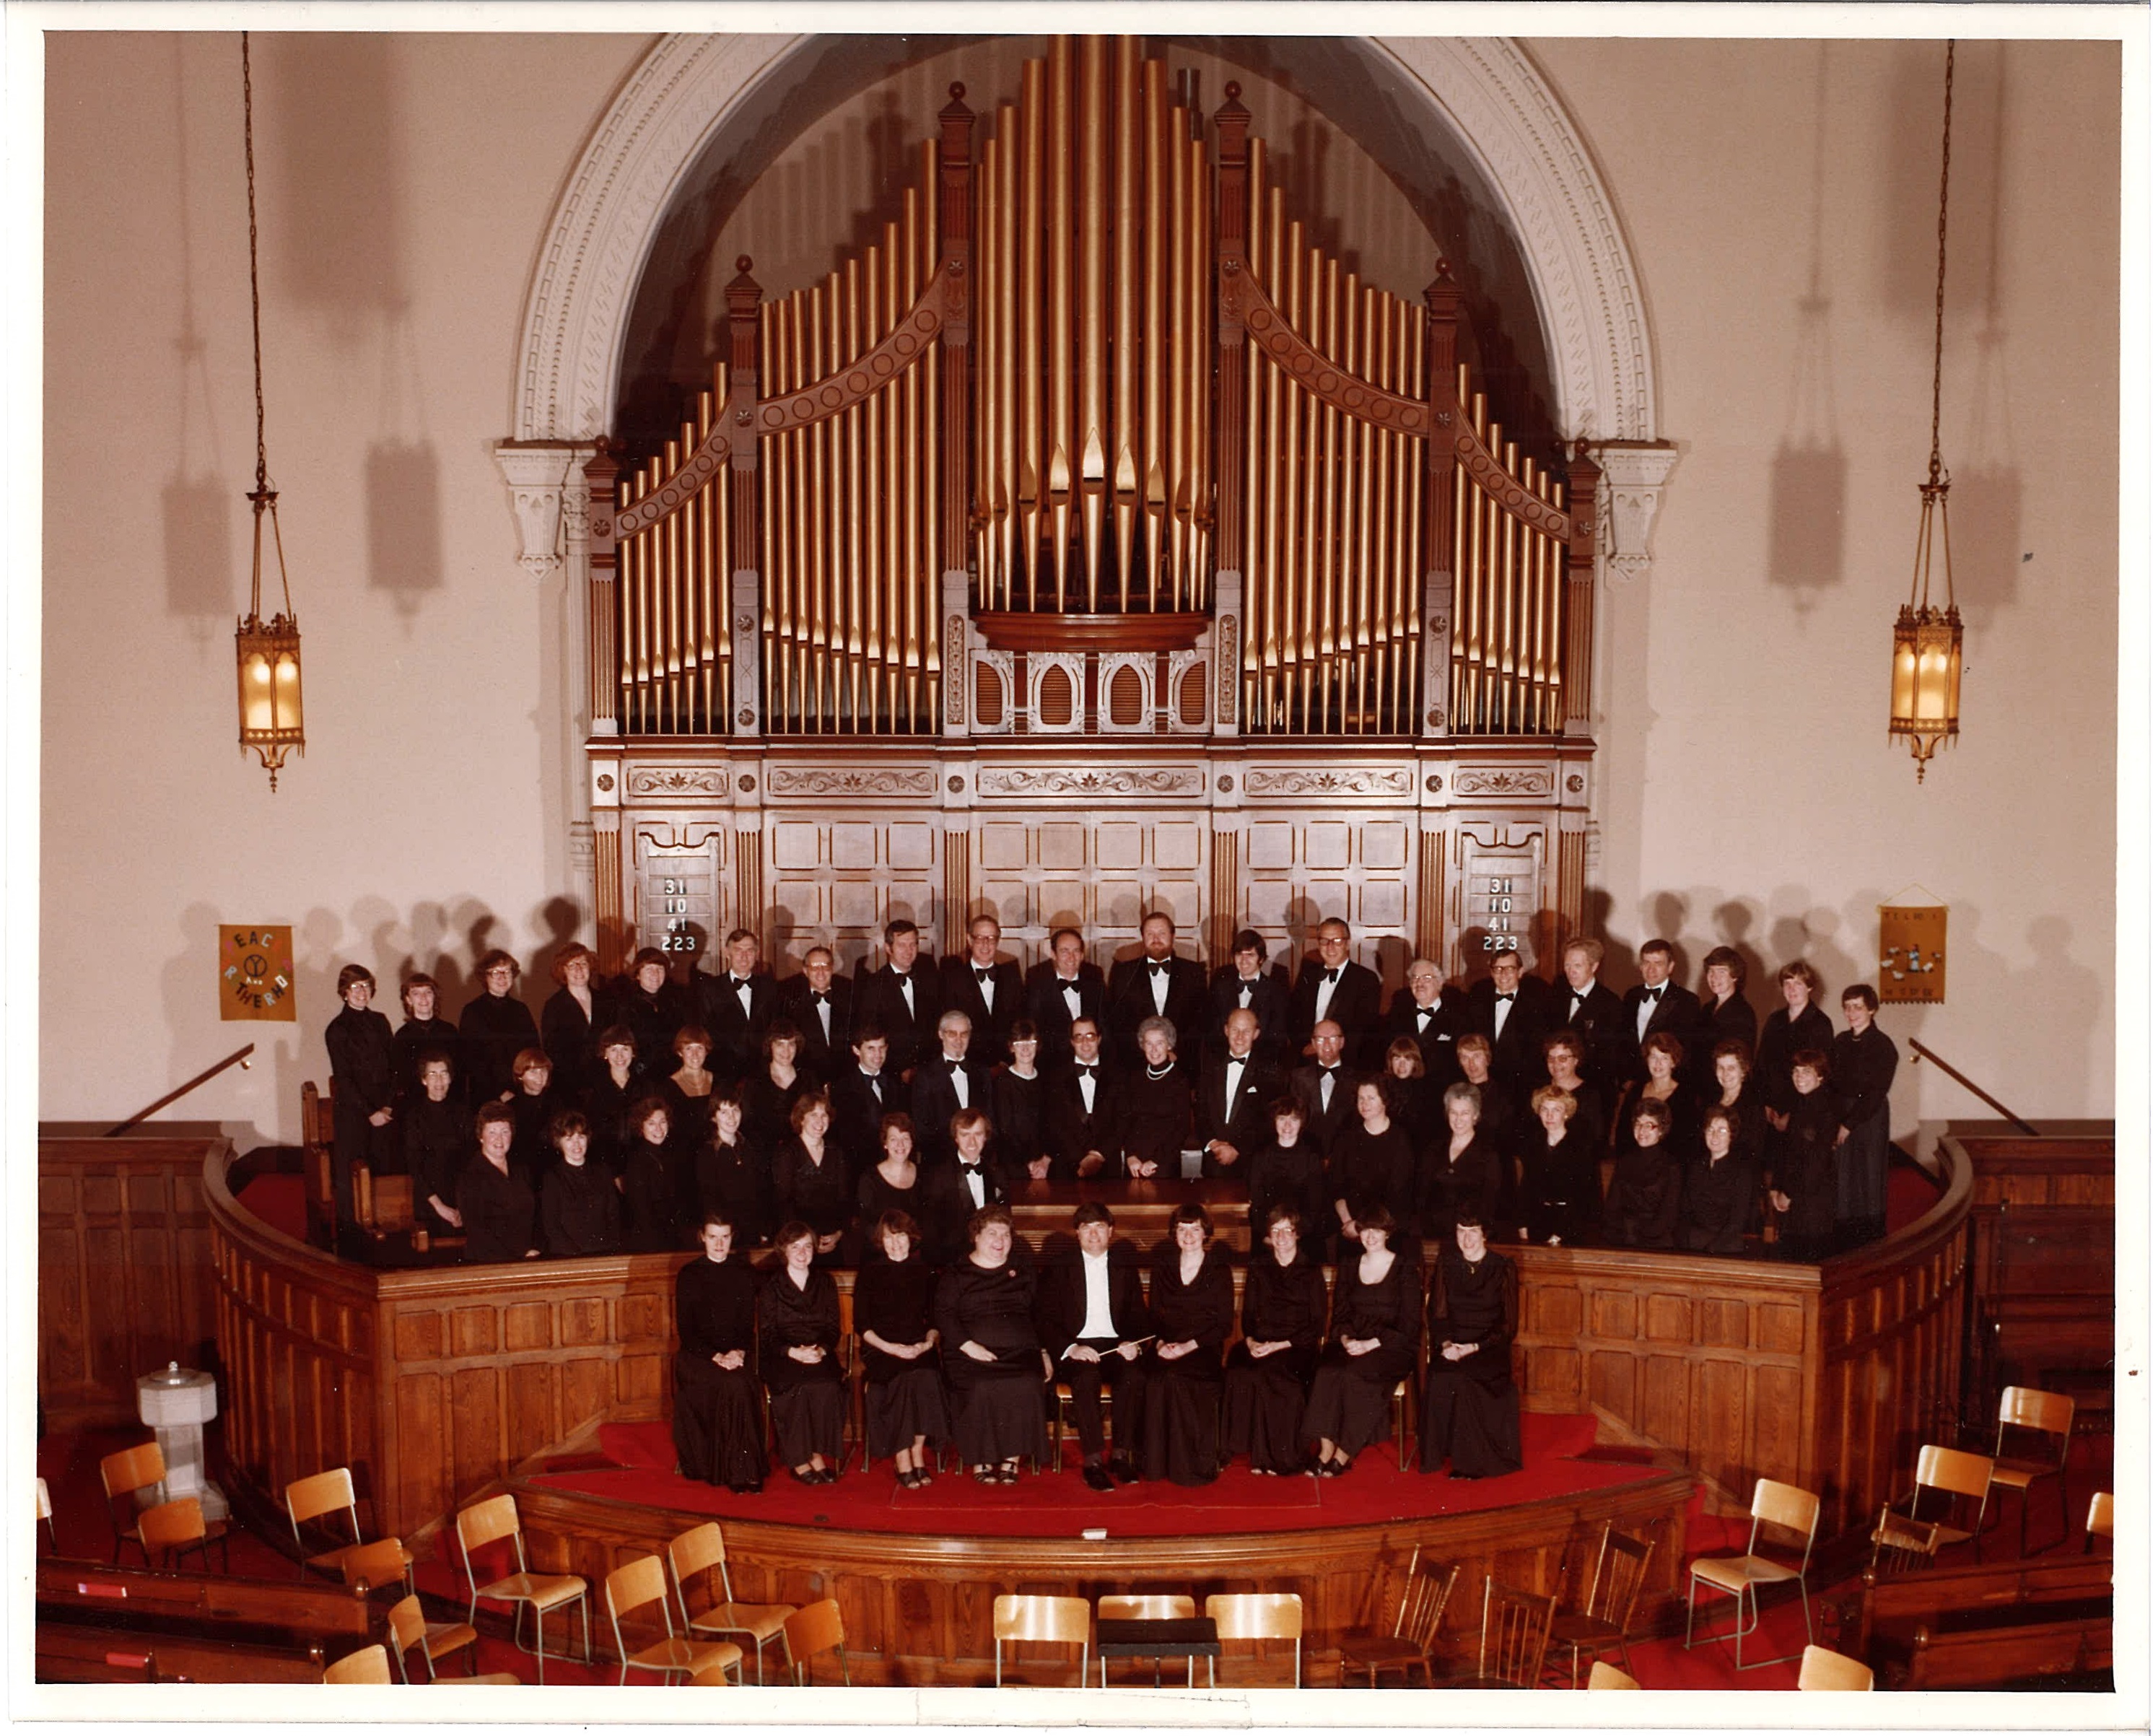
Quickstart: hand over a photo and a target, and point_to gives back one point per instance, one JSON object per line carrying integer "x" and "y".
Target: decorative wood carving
{"x": 1260, "y": 782}
{"x": 1021, "y": 781}
{"x": 871, "y": 780}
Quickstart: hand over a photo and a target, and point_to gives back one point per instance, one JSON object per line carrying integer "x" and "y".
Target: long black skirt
{"x": 1181, "y": 1419}
{"x": 808, "y": 1411}
{"x": 1265, "y": 1403}
{"x": 1000, "y": 1414}
{"x": 717, "y": 1423}
{"x": 1470, "y": 1416}
{"x": 905, "y": 1407}
{"x": 1350, "y": 1400}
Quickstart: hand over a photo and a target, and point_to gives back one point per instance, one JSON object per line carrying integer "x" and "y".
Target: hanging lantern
{"x": 1927, "y": 643}
{"x": 272, "y": 722}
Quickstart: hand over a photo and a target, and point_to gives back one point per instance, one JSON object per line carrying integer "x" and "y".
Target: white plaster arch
{"x": 1485, "y": 90}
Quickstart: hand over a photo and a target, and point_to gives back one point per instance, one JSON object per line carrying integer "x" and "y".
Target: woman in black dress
{"x": 1562, "y": 1174}
{"x": 1288, "y": 1172}
{"x": 1371, "y": 1164}
{"x": 1738, "y": 1088}
{"x": 1716, "y": 1193}
{"x": 1564, "y": 1052}
{"x": 423, "y": 1033}
{"x": 688, "y": 1091}
{"x": 1191, "y": 1310}
{"x": 499, "y": 1214}
{"x": 809, "y": 1181}
{"x": 990, "y": 1352}
{"x": 1800, "y": 1024}
{"x": 613, "y": 1087}
{"x": 535, "y": 1105}
{"x": 656, "y": 1181}
{"x": 893, "y": 1313}
{"x": 1416, "y": 1107}
{"x": 774, "y": 1089}
{"x": 567, "y": 1023}
{"x": 729, "y": 1177}
{"x": 362, "y": 1087}
{"x": 717, "y": 1407}
{"x": 1268, "y": 1371}
{"x": 1017, "y": 1103}
{"x": 1729, "y": 1016}
{"x": 579, "y": 1206}
{"x": 436, "y": 1129}
{"x": 1469, "y": 1413}
{"x": 893, "y": 1185}
{"x": 1864, "y": 1062}
{"x": 1664, "y": 1084}
{"x": 1157, "y": 1105}
{"x": 1805, "y": 1173}
{"x": 1645, "y": 1198}
{"x": 798, "y": 1341}
{"x": 493, "y": 1028}
{"x": 1499, "y": 1114}
{"x": 1375, "y": 1340}
{"x": 1464, "y": 1171}
{"x": 646, "y": 1000}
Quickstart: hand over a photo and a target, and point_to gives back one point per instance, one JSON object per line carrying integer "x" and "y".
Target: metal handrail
{"x": 1923, "y": 1051}
{"x": 203, "y": 1078}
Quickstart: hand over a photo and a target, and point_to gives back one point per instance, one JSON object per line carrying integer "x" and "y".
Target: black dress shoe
{"x": 1096, "y": 1477}
{"x": 1122, "y": 1468}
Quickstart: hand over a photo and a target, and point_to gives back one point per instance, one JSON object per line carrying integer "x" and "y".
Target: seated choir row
{"x": 972, "y": 1353}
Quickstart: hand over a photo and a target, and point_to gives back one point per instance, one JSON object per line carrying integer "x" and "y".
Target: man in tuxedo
{"x": 1658, "y": 1003}
{"x": 1433, "y": 1019}
{"x": 899, "y": 996}
{"x": 1512, "y": 1010}
{"x": 1331, "y": 985}
{"x": 1323, "y": 1089}
{"x": 986, "y": 988}
{"x": 1155, "y": 984}
{"x": 737, "y": 1006}
{"x": 1249, "y": 983}
{"x": 1091, "y": 1319}
{"x": 1234, "y": 1093}
{"x": 1062, "y": 987}
{"x": 942, "y": 1084}
{"x": 1588, "y": 1007}
{"x": 820, "y": 1002}
{"x": 864, "y": 1090}
{"x": 1083, "y": 1130}
{"x": 963, "y": 1183}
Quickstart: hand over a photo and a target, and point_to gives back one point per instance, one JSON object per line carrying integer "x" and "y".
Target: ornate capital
{"x": 1632, "y": 473}
{"x": 545, "y": 492}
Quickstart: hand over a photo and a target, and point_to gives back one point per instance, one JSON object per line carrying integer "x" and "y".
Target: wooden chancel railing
{"x": 1193, "y": 435}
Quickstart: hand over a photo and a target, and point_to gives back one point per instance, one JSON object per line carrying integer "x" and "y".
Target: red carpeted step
{"x": 280, "y": 1201}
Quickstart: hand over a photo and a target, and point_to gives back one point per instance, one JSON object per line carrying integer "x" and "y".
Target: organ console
{"x": 1094, "y": 476}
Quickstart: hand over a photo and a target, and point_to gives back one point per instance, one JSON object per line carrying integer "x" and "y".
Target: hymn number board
{"x": 1499, "y": 903}
{"x": 679, "y": 905}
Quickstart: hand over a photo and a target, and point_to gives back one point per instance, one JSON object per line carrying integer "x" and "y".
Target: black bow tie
{"x": 1425, "y": 1012}
{"x": 901, "y": 976}
{"x": 964, "y": 1168}
{"x": 1084, "y": 1071}
{"x": 1328, "y": 1070}
{"x": 738, "y": 982}
{"x": 1512, "y": 996}
{"x": 1159, "y": 967}
{"x": 1237, "y": 1060}
{"x": 980, "y": 973}
{"x": 1653, "y": 994}
{"x": 954, "y": 1067}
{"x": 1332, "y": 976}
{"x": 819, "y": 999}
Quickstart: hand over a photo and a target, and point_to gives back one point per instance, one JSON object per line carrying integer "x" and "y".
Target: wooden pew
{"x": 1987, "y": 1626}
{"x": 117, "y": 1624}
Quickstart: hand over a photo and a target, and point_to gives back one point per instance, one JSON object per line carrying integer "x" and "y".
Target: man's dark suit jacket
{"x": 935, "y": 1101}
{"x": 879, "y": 1000}
{"x": 1060, "y": 1310}
{"x": 1317, "y": 1129}
{"x": 1247, "y": 1125}
{"x": 1356, "y": 1008}
{"x": 825, "y": 1057}
{"x": 948, "y": 1204}
{"x": 1069, "y": 1132}
{"x": 1130, "y": 1002}
{"x": 1439, "y": 1042}
{"x": 1517, "y": 1060}
{"x": 735, "y": 1035}
{"x": 1598, "y": 1023}
{"x": 1269, "y": 999}
{"x": 855, "y": 1117}
{"x": 1678, "y": 1014}
{"x": 960, "y": 993}
{"x": 1048, "y": 1008}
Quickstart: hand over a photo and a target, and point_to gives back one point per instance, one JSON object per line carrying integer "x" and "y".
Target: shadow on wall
{"x": 196, "y": 500}
{"x": 318, "y": 94}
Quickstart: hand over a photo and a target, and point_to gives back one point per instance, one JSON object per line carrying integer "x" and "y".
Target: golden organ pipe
{"x": 1128, "y": 169}
{"x": 1153, "y": 458}
{"x": 1009, "y": 515}
{"x": 1255, "y": 575}
{"x": 928, "y": 437}
{"x": 1060, "y": 310}
{"x": 1179, "y": 223}
{"x": 1090, "y": 444}
{"x": 986, "y": 474}
{"x": 874, "y": 502}
{"x": 1031, "y": 343}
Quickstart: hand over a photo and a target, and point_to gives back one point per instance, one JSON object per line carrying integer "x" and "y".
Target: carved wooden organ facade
{"x": 1091, "y": 543}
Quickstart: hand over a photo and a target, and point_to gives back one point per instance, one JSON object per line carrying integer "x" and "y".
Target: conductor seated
{"x": 1093, "y": 1321}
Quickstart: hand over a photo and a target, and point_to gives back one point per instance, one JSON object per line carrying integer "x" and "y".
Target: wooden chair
{"x": 1957, "y": 1476}
{"x": 1020, "y": 1616}
{"x": 714, "y": 1677}
{"x": 1146, "y": 1606}
{"x": 1403, "y": 1410}
{"x": 810, "y": 1631}
{"x": 123, "y": 1473}
{"x": 368, "y": 1566}
{"x": 173, "y": 1529}
{"x": 1618, "y": 1576}
{"x": 408, "y": 1626}
{"x": 368, "y": 1665}
{"x": 2049, "y": 1416}
{"x": 1411, "y": 1639}
{"x": 1606, "y": 1676}
{"x": 325, "y": 1492}
{"x": 317, "y": 1133}
{"x": 2100, "y": 1520}
{"x": 489, "y": 1521}
{"x": 1898, "y": 1543}
{"x": 1743, "y": 1577}
{"x": 1832, "y": 1671}
{"x": 1513, "y": 1638}
{"x": 1060, "y": 1422}
{"x": 638, "y": 1586}
{"x": 45, "y": 1516}
{"x": 697, "y": 1552}
{"x": 1257, "y": 1616}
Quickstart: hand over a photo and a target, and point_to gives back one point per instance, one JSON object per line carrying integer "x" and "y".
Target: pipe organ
{"x": 1094, "y": 441}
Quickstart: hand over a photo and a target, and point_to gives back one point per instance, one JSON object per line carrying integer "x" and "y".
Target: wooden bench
{"x": 1987, "y": 1626}
{"x": 118, "y": 1624}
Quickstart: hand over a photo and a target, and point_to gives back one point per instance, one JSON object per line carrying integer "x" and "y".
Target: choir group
{"x": 882, "y": 1121}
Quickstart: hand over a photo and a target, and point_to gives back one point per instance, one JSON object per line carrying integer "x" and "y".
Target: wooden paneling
{"x": 123, "y": 1271}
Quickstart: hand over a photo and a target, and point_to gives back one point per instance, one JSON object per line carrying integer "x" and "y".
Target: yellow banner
{"x": 1910, "y": 949}
{"x": 254, "y": 973}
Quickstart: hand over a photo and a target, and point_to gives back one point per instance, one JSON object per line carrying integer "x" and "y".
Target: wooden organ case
{"x": 1093, "y": 543}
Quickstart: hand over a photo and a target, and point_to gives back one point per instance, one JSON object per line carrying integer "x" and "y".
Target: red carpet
{"x": 280, "y": 1201}
{"x": 1053, "y": 1504}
